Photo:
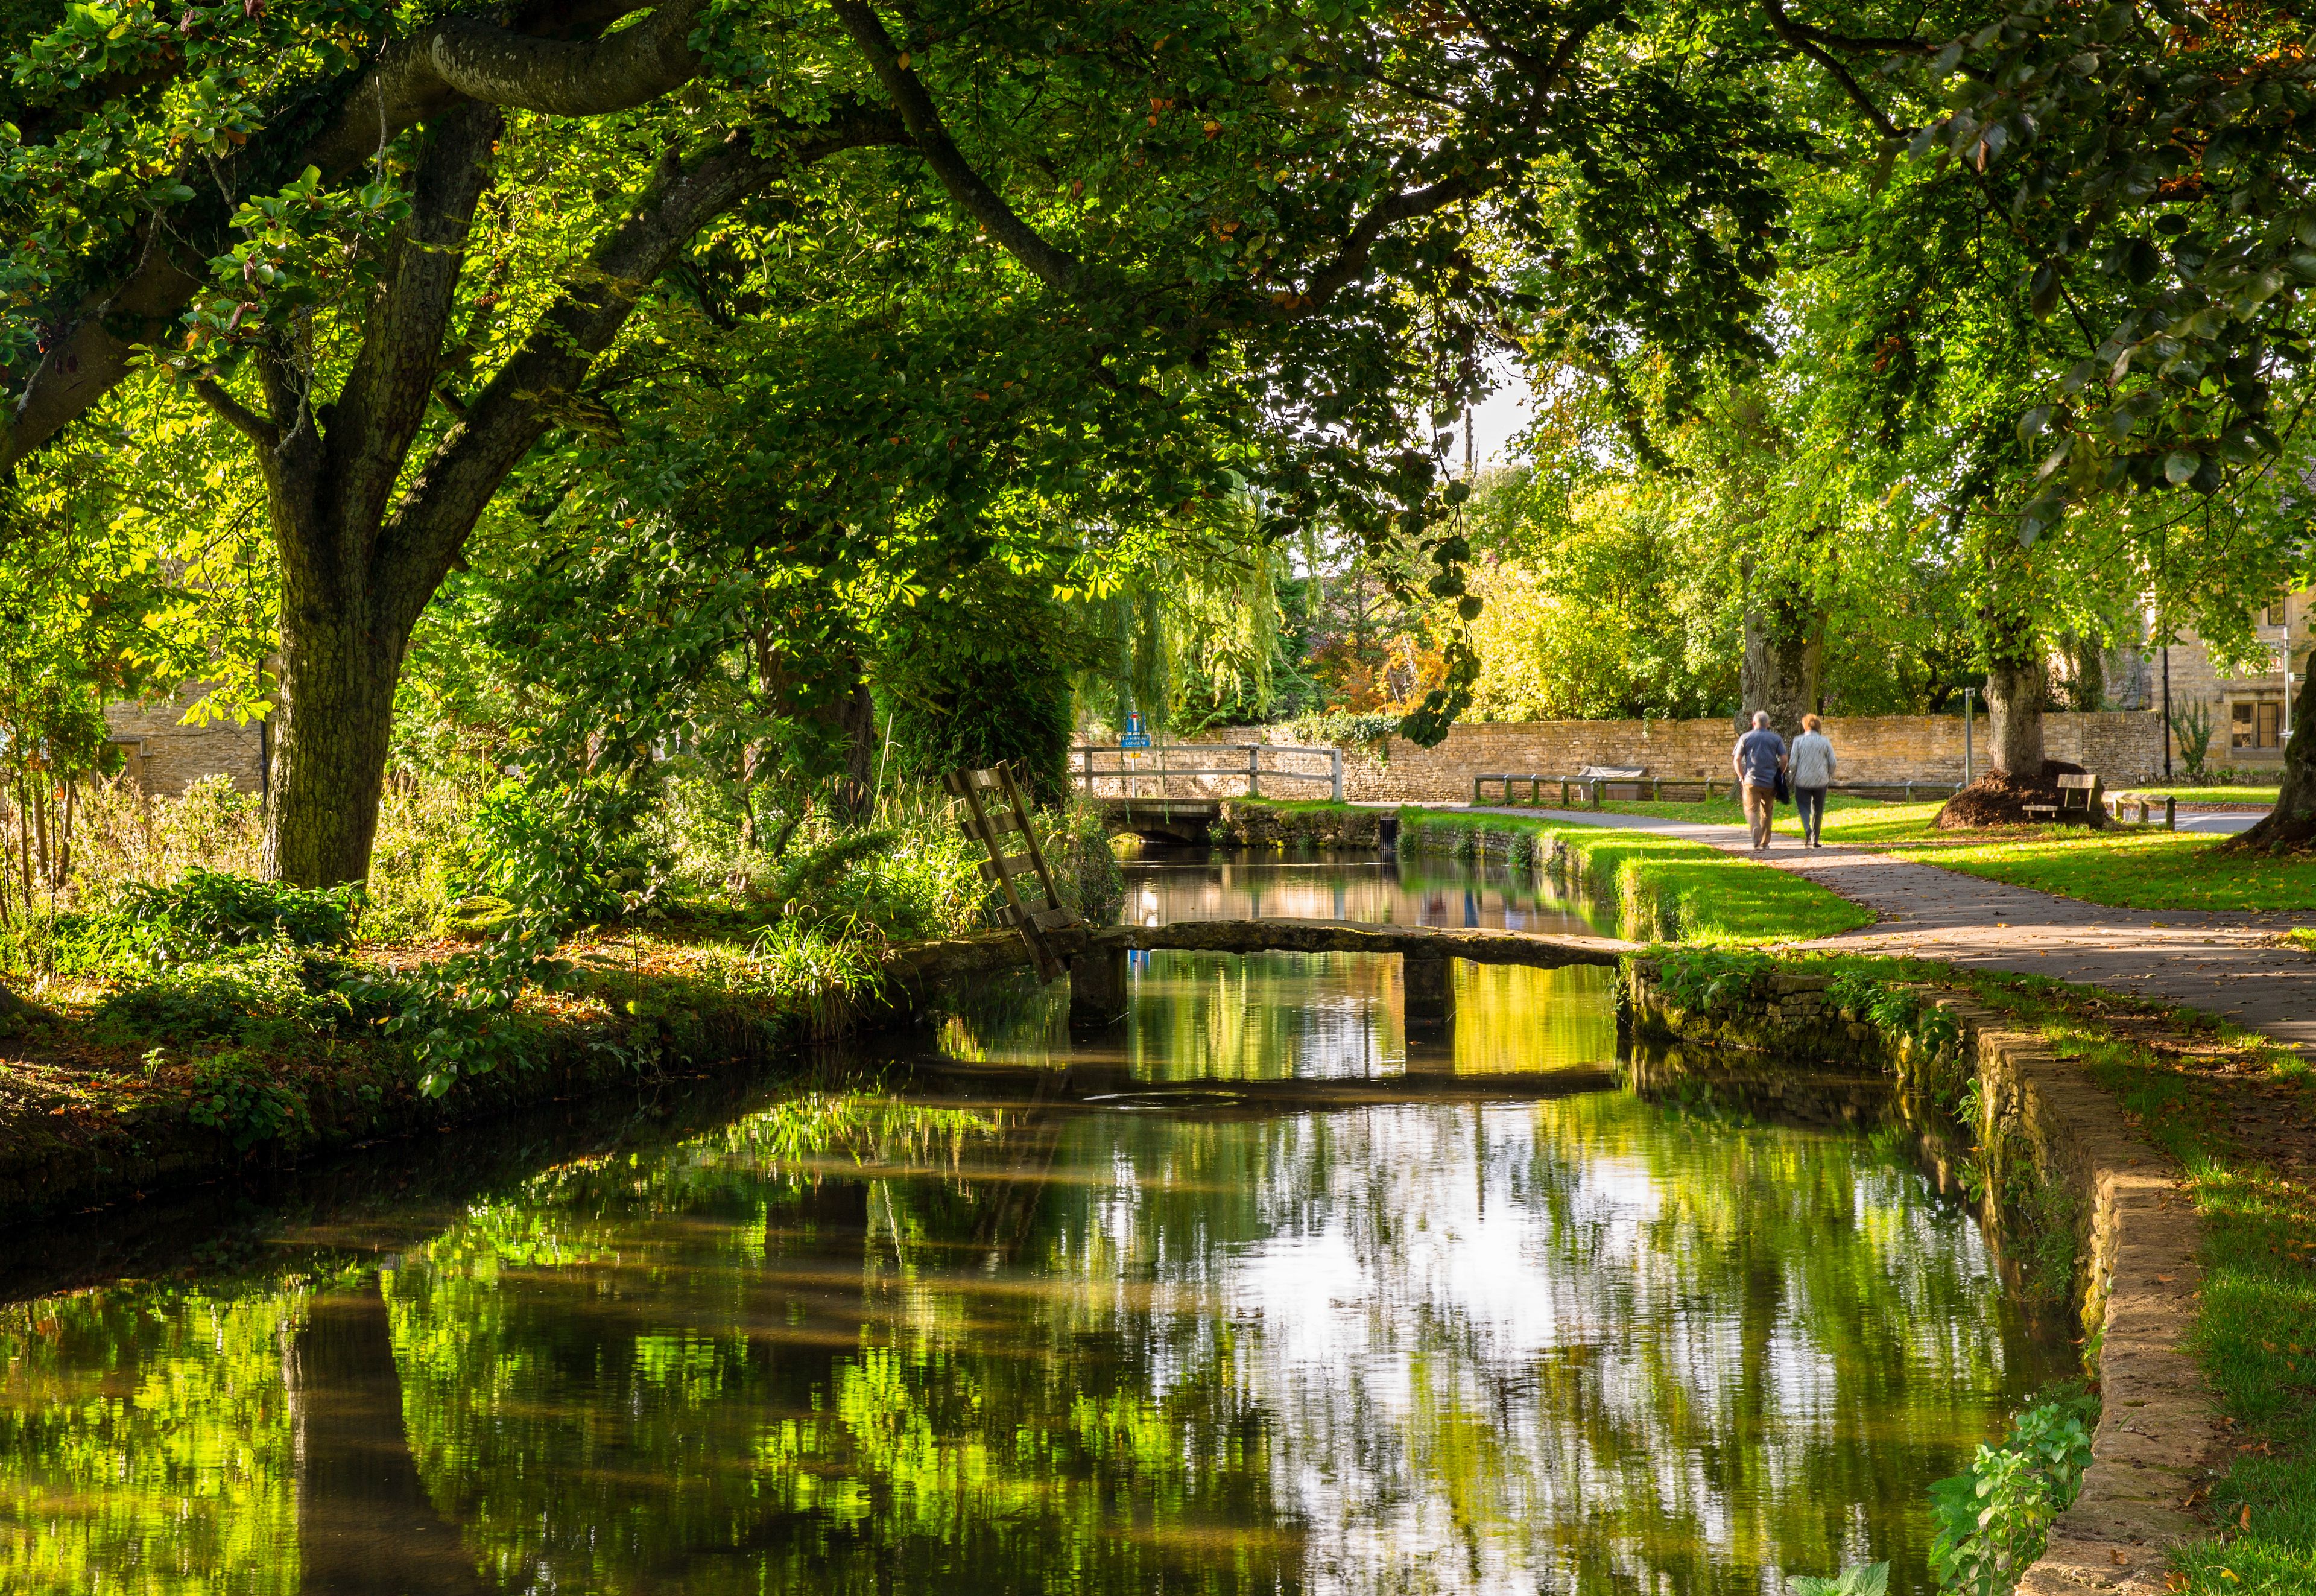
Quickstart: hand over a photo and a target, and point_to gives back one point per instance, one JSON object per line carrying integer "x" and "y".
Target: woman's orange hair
{"x": 1811, "y": 723}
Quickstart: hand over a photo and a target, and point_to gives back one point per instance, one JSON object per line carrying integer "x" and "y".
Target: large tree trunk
{"x": 2292, "y": 824}
{"x": 2013, "y": 713}
{"x": 1784, "y": 650}
{"x": 365, "y": 1526}
{"x": 364, "y": 542}
{"x": 339, "y": 666}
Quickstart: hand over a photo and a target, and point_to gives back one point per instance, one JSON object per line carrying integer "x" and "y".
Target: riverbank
{"x": 92, "y": 1111}
{"x": 2089, "y": 1119}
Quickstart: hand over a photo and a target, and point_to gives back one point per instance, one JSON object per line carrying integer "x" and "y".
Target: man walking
{"x": 1760, "y": 757}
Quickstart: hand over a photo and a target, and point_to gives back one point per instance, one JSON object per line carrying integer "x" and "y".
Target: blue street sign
{"x": 1135, "y": 734}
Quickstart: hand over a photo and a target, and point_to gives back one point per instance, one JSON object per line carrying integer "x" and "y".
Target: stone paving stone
{"x": 2230, "y": 965}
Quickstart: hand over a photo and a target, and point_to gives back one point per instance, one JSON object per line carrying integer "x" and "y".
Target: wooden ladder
{"x": 994, "y": 806}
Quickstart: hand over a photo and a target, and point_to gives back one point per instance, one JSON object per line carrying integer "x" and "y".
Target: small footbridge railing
{"x": 1207, "y": 771}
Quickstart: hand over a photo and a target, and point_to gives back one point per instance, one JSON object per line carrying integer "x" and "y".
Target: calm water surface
{"x": 854, "y": 1341}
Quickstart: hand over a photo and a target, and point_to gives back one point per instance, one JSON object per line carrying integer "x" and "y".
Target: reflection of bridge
{"x": 1175, "y": 793}
{"x": 1097, "y": 956}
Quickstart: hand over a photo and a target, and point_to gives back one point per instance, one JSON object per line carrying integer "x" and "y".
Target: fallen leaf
{"x": 2245, "y": 1522}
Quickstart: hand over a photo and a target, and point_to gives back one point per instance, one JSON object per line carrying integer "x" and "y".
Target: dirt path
{"x": 2230, "y": 965}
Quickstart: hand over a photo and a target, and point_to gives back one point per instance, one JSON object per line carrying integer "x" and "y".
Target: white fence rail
{"x": 1204, "y": 772}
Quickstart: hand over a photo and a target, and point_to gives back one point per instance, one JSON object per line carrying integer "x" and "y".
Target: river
{"x": 1183, "y": 1337}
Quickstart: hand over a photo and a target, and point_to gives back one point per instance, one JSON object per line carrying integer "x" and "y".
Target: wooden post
{"x": 1254, "y": 770}
{"x": 1335, "y": 769}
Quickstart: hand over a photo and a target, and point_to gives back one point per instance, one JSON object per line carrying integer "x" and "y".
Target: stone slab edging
{"x": 2158, "y": 1443}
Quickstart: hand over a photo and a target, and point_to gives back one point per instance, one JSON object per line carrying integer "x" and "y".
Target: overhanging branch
{"x": 1056, "y": 268}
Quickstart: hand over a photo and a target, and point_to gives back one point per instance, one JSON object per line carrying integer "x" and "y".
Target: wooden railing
{"x": 1586, "y": 791}
{"x": 1197, "y": 771}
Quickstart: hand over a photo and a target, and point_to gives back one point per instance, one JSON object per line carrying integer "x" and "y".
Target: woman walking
{"x": 1811, "y": 772}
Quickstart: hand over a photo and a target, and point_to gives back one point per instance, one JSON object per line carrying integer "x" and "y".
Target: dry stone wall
{"x": 2124, "y": 746}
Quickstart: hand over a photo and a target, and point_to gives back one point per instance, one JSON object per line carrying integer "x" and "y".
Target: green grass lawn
{"x": 2129, "y": 869}
{"x": 1710, "y": 896}
{"x": 2205, "y": 795}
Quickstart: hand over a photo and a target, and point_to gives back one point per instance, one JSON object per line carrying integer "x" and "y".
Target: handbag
{"x": 1784, "y": 788}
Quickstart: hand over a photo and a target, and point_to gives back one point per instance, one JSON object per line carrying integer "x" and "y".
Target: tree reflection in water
{"x": 848, "y": 1344}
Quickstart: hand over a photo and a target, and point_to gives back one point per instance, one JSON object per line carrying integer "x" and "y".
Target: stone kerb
{"x": 2140, "y": 1247}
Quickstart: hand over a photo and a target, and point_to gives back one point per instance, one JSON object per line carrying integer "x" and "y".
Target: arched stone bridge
{"x": 1096, "y": 956}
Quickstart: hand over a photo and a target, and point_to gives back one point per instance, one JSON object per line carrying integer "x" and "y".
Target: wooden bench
{"x": 2079, "y": 800}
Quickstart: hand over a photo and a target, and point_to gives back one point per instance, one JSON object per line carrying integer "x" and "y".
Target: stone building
{"x": 165, "y": 755}
{"x": 2251, "y": 712}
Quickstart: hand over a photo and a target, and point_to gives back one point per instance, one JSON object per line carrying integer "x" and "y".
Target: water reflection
{"x": 851, "y": 1343}
{"x": 1164, "y": 887}
{"x": 1338, "y": 1016}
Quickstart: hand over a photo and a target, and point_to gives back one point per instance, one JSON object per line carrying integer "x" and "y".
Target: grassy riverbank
{"x": 1659, "y": 884}
{"x": 2240, "y": 1115}
{"x": 162, "y": 1030}
{"x": 2127, "y": 868}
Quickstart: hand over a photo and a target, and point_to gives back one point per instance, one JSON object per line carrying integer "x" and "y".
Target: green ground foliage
{"x": 2127, "y": 867}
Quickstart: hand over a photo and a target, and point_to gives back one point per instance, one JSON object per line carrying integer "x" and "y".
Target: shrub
{"x": 206, "y": 912}
{"x": 244, "y": 995}
{"x": 578, "y": 855}
{"x": 1704, "y": 979}
{"x": 1994, "y": 1518}
{"x": 235, "y": 1093}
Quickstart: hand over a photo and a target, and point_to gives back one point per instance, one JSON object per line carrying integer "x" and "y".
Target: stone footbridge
{"x": 1097, "y": 958}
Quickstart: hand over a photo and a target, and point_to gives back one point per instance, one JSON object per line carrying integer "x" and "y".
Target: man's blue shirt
{"x": 1757, "y": 753}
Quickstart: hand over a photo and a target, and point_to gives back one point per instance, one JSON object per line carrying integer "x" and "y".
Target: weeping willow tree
{"x": 1193, "y": 638}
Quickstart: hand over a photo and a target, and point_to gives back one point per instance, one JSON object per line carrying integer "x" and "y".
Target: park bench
{"x": 2079, "y": 800}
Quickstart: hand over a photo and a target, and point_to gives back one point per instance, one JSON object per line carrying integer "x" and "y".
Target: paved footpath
{"x": 2231, "y": 964}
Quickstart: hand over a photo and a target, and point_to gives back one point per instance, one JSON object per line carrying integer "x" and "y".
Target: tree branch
{"x": 383, "y": 399}
{"x": 534, "y": 65}
{"x": 1056, "y": 268}
{"x": 429, "y": 70}
{"x": 1351, "y": 260}
{"x": 237, "y": 415}
{"x": 424, "y": 533}
{"x": 1806, "y": 41}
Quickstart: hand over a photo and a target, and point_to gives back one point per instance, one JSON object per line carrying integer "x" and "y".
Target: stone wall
{"x": 166, "y": 756}
{"x": 2122, "y": 745}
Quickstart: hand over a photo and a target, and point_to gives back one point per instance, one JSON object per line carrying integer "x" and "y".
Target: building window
{"x": 2256, "y": 724}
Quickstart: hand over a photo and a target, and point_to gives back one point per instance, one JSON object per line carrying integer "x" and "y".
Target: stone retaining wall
{"x": 2123, "y": 745}
{"x": 2138, "y": 1244}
